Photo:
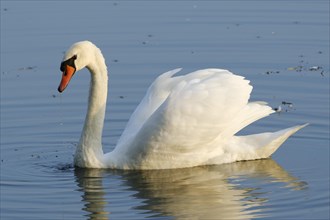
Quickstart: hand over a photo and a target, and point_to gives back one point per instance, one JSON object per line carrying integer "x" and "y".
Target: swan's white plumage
{"x": 182, "y": 121}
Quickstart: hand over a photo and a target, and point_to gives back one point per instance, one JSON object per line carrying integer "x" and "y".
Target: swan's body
{"x": 182, "y": 121}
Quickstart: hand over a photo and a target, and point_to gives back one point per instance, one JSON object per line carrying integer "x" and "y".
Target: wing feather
{"x": 181, "y": 116}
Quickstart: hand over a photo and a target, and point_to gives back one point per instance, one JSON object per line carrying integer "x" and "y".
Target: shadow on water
{"x": 210, "y": 192}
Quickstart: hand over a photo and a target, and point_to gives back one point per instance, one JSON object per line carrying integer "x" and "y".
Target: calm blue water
{"x": 281, "y": 46}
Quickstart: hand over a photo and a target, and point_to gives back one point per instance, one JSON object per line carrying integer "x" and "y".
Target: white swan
{"x": 182, "y": 121}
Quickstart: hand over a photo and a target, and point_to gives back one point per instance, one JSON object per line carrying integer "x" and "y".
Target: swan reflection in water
{"x": 209, "y": 192}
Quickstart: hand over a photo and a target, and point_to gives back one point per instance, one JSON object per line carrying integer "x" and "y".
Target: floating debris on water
{"x": 296, "y": 68}
{"x": 278, "y": 109}
{"x": 315, "y": 68}
{"x": 289, "y": 104}
{"x": 301, "y": 68}
{"x": 27, "y": 68}
{"x": 305, "y": 66}
{"x": 272, "y": 72}
{"x": 20, "y": 69}
{"x": 284, "y": 107}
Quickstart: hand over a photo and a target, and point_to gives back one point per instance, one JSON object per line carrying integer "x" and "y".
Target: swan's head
{"x": 78, "y": 56}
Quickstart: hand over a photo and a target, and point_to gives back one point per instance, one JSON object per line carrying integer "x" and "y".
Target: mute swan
{"x": 182, "y": 121}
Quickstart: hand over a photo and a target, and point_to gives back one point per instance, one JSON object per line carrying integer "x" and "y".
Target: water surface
{"x": 281, "y": 46}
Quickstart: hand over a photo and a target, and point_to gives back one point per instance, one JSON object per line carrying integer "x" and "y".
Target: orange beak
{"x": 66, "y": 77}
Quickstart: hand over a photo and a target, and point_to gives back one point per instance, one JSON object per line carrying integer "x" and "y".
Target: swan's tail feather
{"x": 276, "y": 139}
{"x": 259, "y": 146}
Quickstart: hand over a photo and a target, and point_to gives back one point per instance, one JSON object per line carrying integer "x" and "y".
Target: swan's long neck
{"x": 89, "y": 152}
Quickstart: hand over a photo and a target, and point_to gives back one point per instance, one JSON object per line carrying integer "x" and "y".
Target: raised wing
{"x": 182, "y": 118}
{"x": 155, "y": 96}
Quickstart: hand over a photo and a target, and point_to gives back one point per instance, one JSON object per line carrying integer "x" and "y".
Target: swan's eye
{"x": 69, "y": 62}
